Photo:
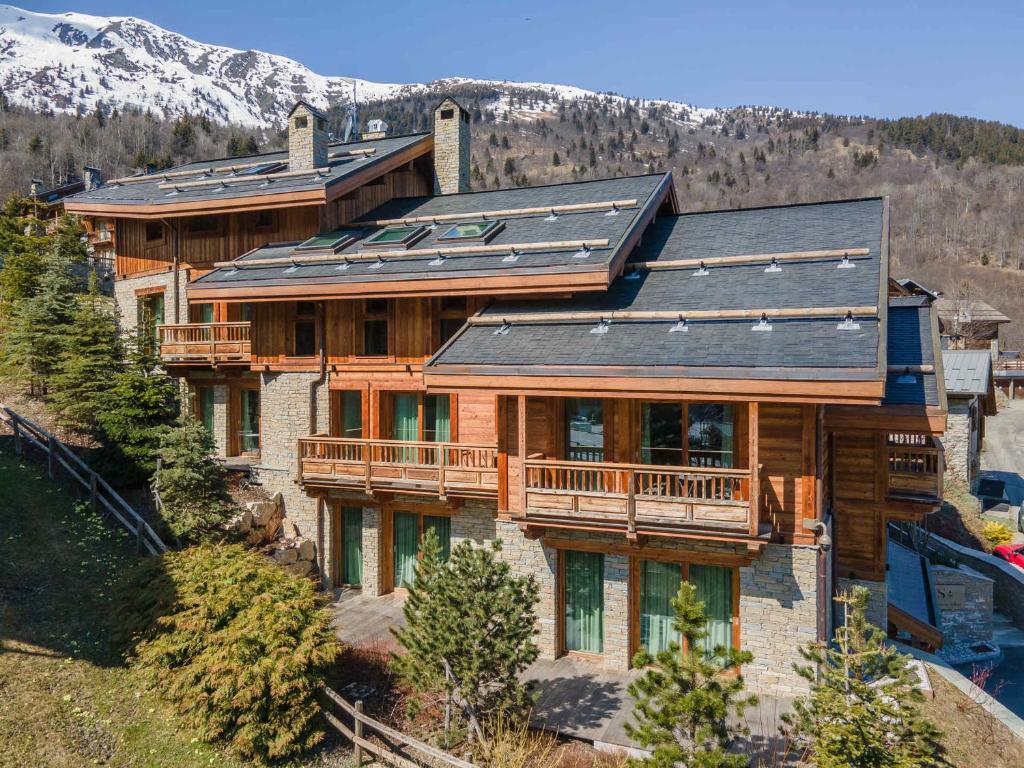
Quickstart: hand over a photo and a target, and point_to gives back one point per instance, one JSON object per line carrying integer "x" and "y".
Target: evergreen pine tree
{"x": 91, "y": 356}
{"x": 469, "y": 633}
{"x": 133, "y": 416}
{"x": 191, "y": 483}
{"x": 685, "y": 697}
{"x": 862, "y": 709}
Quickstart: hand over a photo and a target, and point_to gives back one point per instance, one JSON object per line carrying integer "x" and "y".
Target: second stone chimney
{"x": 307, "y": 138}
{"x": 451, "y": 148}
{"x": 93, "y": 177}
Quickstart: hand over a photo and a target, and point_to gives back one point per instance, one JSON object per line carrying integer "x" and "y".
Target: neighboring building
{"x": 1008, "y": 370}
{"x": 971, "y": 395}
{"x": 970, "y": 324}
{"x": 624, "y": 395}
{"x": 47, "y": 206}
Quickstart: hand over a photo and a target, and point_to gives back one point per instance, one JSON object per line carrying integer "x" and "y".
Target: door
{"x": 352, "y": 546}
{"x": 714, "y": 589}
{"x": 406, "y": 421}
{"x": 406, "y": 540}
{"x": 249, "y": 423}
{"x": 659, "y": 584}
{"x": 204, "y": 403}
{"x": 583, "y": 599}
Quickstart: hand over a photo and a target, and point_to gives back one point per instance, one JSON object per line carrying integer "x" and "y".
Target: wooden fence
{"x": 101, "y": 495}
{"x": 397, "y": 748}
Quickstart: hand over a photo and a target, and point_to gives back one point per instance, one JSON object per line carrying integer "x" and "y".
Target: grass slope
{"x": 66, "y": 697}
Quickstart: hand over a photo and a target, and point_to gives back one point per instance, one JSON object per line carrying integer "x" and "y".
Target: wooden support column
{"x": 521, "y": 450}
{"x": 501, "y": 407}
{"x": 755, "y": 467}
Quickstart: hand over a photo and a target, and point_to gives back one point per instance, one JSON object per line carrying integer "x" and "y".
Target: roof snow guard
{"x": 781, "y": 303}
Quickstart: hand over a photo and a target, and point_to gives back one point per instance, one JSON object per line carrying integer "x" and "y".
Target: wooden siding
{"x": 786, "y": 452}
{"x": 411, "y": 180}
{"x": 860, "y": 478}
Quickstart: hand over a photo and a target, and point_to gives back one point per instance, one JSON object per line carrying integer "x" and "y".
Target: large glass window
{"x": 150, "y": 310}
{"x": 375, "y": 328}
{"x": 709, "y": 434}
{"x": 714, "y": 589}
{"x": 583, "y": 598}
{"x": 351, "y": 414}
{"x": 352, "y": 546}
{"x": 659, "y": 584}
{"x": 437, "y": 418}
{"x": 584, "y": 429}
{"x": 305, "y": 329}
{"x": 249, "y": 432}
{"x": 407, "y": 537}
{"x": 204, "y": 407}
{"x": 661, "y": 433}
{"x": 204, "y": 313}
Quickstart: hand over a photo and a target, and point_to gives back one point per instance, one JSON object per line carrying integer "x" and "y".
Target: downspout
{"x": 175, "y": 255}
{"x": 314, "y": 386}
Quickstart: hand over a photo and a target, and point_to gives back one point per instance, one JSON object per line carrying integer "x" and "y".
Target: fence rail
{"x": 397, "y": 748}
{"x": 206, "y": 342}
{"x": 101, "y": 495}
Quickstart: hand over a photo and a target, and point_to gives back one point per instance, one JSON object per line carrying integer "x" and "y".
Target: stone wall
{"x": 127, "y": 304}
{"x": 221, "y": 417}
{"x": 964, "y": 599}
{"x": 1008, "y": 579}
{"x": 307, "y": 147}
{"x": 878, "y": 602}
{"x": 451, "y": 150}
{"x": 961, "y": 443}
{"x": 284, "y": 418}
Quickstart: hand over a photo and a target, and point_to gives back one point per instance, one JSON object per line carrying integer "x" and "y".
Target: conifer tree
{"x": 862, "y": 709}
{"x": 134, "y": 414}
{"x": 687, "y": 694}
{"x": 92, "y": 356}
{"x": 469, "y": 633}
{"x": 191, "y": 483}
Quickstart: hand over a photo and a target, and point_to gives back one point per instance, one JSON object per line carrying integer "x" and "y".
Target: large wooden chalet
{"x": 625, "y": 395}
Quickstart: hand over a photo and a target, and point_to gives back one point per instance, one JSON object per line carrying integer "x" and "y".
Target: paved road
{"x": 1003, "y": 455}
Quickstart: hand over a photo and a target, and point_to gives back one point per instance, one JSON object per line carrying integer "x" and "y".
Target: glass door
{"x": 583, "y": 598}
{"x": 714, "y": 589}
{"x": 437, "y": 426}
{"x": 659, "y": 584}
{"x": 204, "y": 398}
{"x": 406, "y": 533}
{"x": 709, "y": 434}
{"x": 352, "y": 546}
{"x": 442, "y": 528}
{"x": 406, "y": 424}
{"x": 249, "y": 433}
{"x": 584, "y": 429}
{"x": 661, "y": 433}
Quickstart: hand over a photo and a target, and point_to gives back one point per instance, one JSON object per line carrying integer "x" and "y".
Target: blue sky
{"x": 875, "y": 58}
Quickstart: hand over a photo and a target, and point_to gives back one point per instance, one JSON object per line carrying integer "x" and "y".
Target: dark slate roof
{"x": 967, "y": 371}
{"x": 812, "y": 347}
{"x": 910, "y": 343}
{"x": 149, "y": 192}
{"x": 518, "y": 229}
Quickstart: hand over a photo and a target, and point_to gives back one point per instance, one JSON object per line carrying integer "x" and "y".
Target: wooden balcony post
{"x": 753, "y": 461}
{"x": 631, "y": 505}
{"x": 367, "y": 451}
{"x": 521, "y": 450}
{"x": 442, "y": 450}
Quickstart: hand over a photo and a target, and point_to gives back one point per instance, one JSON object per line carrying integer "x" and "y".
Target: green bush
{"x": 238, "y": 645}
{"x": 191, "y": 483}
{"x": 996, "y": 533}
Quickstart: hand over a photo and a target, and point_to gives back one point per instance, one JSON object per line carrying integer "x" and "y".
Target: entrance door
{"x": 249, "y": 432}
{"x": 352, "y": 546}
{"x": 406, "y": 424}
{"x": 714, "y": 589}
{"x": 407, "y": 530}
{"x": 583, "y": 598}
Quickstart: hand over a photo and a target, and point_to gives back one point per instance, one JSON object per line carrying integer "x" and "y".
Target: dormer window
{"x": 301, "y": 121}
{"x": 478, "y": 231}
{"x": 329, "y": 241}
{"x": 396, "y": 237}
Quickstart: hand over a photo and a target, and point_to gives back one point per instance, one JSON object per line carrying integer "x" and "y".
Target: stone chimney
{"x": 93, "y": 177}
{"x": 307, "y": 138}
{"x": 451, "y": 148}
{"x": 35, "y": 187}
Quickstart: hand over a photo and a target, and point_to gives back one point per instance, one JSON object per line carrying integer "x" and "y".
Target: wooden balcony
{"x": 434, "y": 469}
{"x": 915, "y": 471}
{"x": 641, "y": 499}
{"x": 205, "y": 344}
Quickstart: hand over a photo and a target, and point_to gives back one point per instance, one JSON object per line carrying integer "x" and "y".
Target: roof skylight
{"x": 396, "y": 237}
{"x": 328, "y": 241}
{"x": 473, "y": 230}
{"x": 256, "y": 170}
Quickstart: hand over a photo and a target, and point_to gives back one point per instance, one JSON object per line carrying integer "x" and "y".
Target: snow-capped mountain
{"x": 68, "y": 62}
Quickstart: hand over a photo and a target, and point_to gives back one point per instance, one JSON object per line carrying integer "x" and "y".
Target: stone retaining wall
{"x": 1008, "y": 580}
{"x": 964, "y": 599}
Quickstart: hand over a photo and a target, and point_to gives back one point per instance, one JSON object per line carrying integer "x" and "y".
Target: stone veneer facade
{"x": 128, "y": 305}
{"x": 961, "y": 441}
{"x": 451, "y": 149}
{"x": 964, "y": 599}
{"x": 307, "y": 146}
{"x": 778, "y": 591}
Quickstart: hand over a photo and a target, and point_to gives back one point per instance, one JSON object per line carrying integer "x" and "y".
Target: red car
{"x": 1011, "y": 553}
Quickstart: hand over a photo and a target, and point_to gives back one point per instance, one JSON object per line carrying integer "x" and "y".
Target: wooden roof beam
{"x": 704, "y": 314}
{"x": 300, "y": 259}
{"x": 535, "y": 211}
{"x": 721, "y": 261}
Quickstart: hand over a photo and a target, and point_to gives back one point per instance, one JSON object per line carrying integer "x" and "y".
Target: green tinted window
{"x": 394, "y": 236}
{"x": 470, "y": 230}
{"x": 325, "y": 242}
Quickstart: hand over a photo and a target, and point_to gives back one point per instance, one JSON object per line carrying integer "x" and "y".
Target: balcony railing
{"x": 205, "y": 343}
{"x": 915, "y": 471}
{"x": 438, "y": 469}
{"x": 640, "y": 498}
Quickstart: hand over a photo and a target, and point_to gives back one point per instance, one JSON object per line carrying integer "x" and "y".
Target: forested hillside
{"x": 957, "y": 184}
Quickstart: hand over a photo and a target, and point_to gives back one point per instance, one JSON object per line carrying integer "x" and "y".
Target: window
{"x": 245, "y": 311}
{"x": 583, "y": 601}
{"x": 204, "y": 407}
{"x": 375, "y": 328}
{"x": 249, "y": 421}
{"x": 329, "y": 241}
{"x": 349, "y": 407}
{"x": 407, "y": 530}
{"x": 395, "y": 237}
{"x": 453, "y": 313}
{"x": 256, "y": 170}
{"x": 473, "y": 230}
{"x": 301, "y": 121}
{"x": 714, "y": 589}
{"x": 150, "y": 309}
{"x": 447, "y": 114}
{"x": 659, "y": 584}
{"x": 203, "y": 225}
{"x": 264, "y": 220}
{"x": 203, "y": 312}
{"x": 706, "y": 441}
{"x": 449, "y": 327}
{"x": 154, "y": 232}
{"x": 584, "y": 429}
{"x": 437, "y": 418}
{"x": 304, "y": 339}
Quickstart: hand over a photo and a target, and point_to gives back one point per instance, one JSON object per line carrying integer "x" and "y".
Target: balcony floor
{"x": 576, "y": 698}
